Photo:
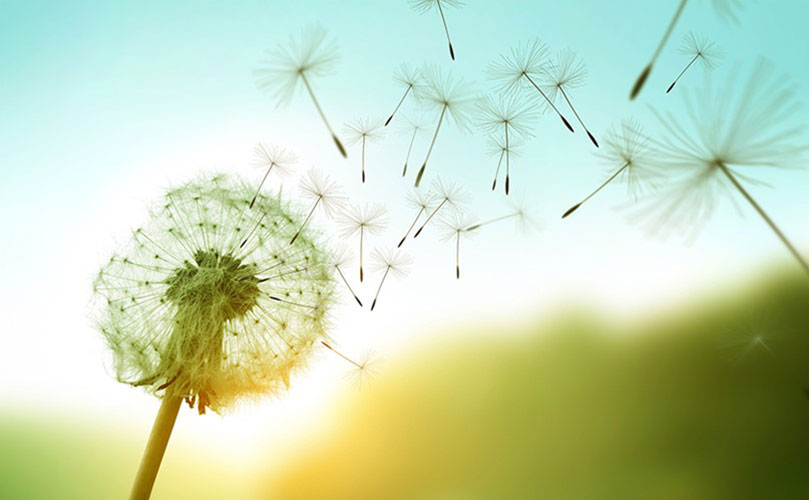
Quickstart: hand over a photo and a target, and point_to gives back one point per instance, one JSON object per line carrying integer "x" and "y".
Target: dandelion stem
{"x": 379, "y": 289}
{"x": 409, "y": 149}
{"x": 505, "y": 126}
{"x": 363, "y": 159}
{"x": 497, "y": 171}
{"x": 407, "y": 91}
{"x": 430, "y": 217}
{"x": 490, "y": 221}
{"x": 570, "y": 104}
{"x": 446, "y": 30}
{"x": 339, "y": 271}
{"x": 693, "y": 60}
{"x": 458, "y": 255}
{"x": 599, "y": 188}
{"x": 550, "y": 103}
{"x": 253, "y": 230}
{"x": 764, "y": 216}
{"x": 335, "y": 351}
{"x": 648, "y": 69}
{"x": 432, "y": 143}
{"x": 421, "y": 211}
{"x": 155, "y": 448}
{"x": 263, "y": 179}
{"x": 278, "y": 299}
{"x": 298, "y": 233}
{"x": 323, "y": 116}
{"x": 362, "y": 233}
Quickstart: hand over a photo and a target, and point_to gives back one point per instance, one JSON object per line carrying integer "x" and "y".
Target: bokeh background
{"x": 579, "y": 360}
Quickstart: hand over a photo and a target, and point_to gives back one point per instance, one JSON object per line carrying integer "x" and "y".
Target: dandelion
{"x": 627, "y": 148}
{"x": 306, "y": 58}
{"x": 189, "y": 315}
{"x": 271, "y": 157}
{"x": 422, "y": 6}
{"x": 362, "y": 221}
{"x": 446, "y": 195}
{"x": 362, "y": 131}
{"x": 410, "y": 79}
{"x": 503, "y": 117}
{"x": 456, "y": 226}
{"x": 698, "y": 48}
{"x": 340, "y": 259}
{"x": 323, "y": 193}
{"x": 567, "y": 73}
{"x": 523, "y": 66}
{"x": 363, "y": 369}
{"x": 725, "y": 9}
{"x": 497, "y": 147}
{"x": 751, "y": 131}
{"x": 421, "y": 202}
{"x": 389, "y": 262}
{"x": 413, "y": 127}
{"x": 518, "y": 212}
{"x": 445, "y": 95}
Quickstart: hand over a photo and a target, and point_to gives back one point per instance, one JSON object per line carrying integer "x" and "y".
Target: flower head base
{"x": 189, "y": 312}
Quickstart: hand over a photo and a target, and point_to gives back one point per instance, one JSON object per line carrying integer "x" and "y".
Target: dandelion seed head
{"x": 394, "y": 261}
{"x": 496, "y": 146}
{"x": 567, "y": 71}
{"x": 509, "y": 73}
{"x": 408, "y": 77}
{"x": 422, "y": 6}
{"x": 365, "y": 370}
{"x": 187, "y": 312}
{"x": 421, "y": 200}
{"x": 443, "y": 92}
{"x": 449, "y": 193}
{"x": 370, "y": 218}
{"x": 738, "y": 128}
{"x": 283, "y": 69}
{"x": 512, "y": 111}
{"x": 457, "y": 223}
{"x": 271, "y": 156}
{"x": 319, "y": 188}
{"x": 699, "y": 46}
{"x": 628, "y": 148}
{"x": 366, "y": 128}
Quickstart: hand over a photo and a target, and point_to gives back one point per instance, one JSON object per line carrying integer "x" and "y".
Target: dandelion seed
{"x": 456, "y": 226}
{"x": 362, "y": 221}
{"x": 389, "y": 262}
{"x": 342, "y": 258}
{"x": 306, "y": 58}
{"x": 323, "y": 193}
{"x": 699, "y": 49}
{"x": 503, "y": 117}
{"x": 565, "y": 74}
{"x": 363, "y": 371}
{"x": 725, "y": 9}
{"x": 421, "y": 202}
{"x": 522, "y": 67}
{"x": 446, "y": 195}
{"x": 413, "y": 127}
{"x": 422, "y": 6}
{"x": 518, "y": 212}
{"x": 271, "y": 157}
{"x": 628, "y": 149}
{"x": 410, "y": 80}
{"x": 447, "y": 96}
{"x": 751, "y": 130}
{"x": 189, "y": 315}
{"x": 362, "y": 131}
{"x": 497, "y": 147}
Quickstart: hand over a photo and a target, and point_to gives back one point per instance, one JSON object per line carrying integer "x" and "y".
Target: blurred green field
{"x": 686, "y": 405}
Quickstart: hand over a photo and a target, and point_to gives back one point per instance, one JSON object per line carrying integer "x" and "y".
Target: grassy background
{"x": 681, "y": 406}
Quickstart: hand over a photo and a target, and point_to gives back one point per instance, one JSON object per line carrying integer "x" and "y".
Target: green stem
{"x": 155, "y": 448}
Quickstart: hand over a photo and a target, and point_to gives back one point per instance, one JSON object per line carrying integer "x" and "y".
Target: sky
{"x": 106, "y": 104}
